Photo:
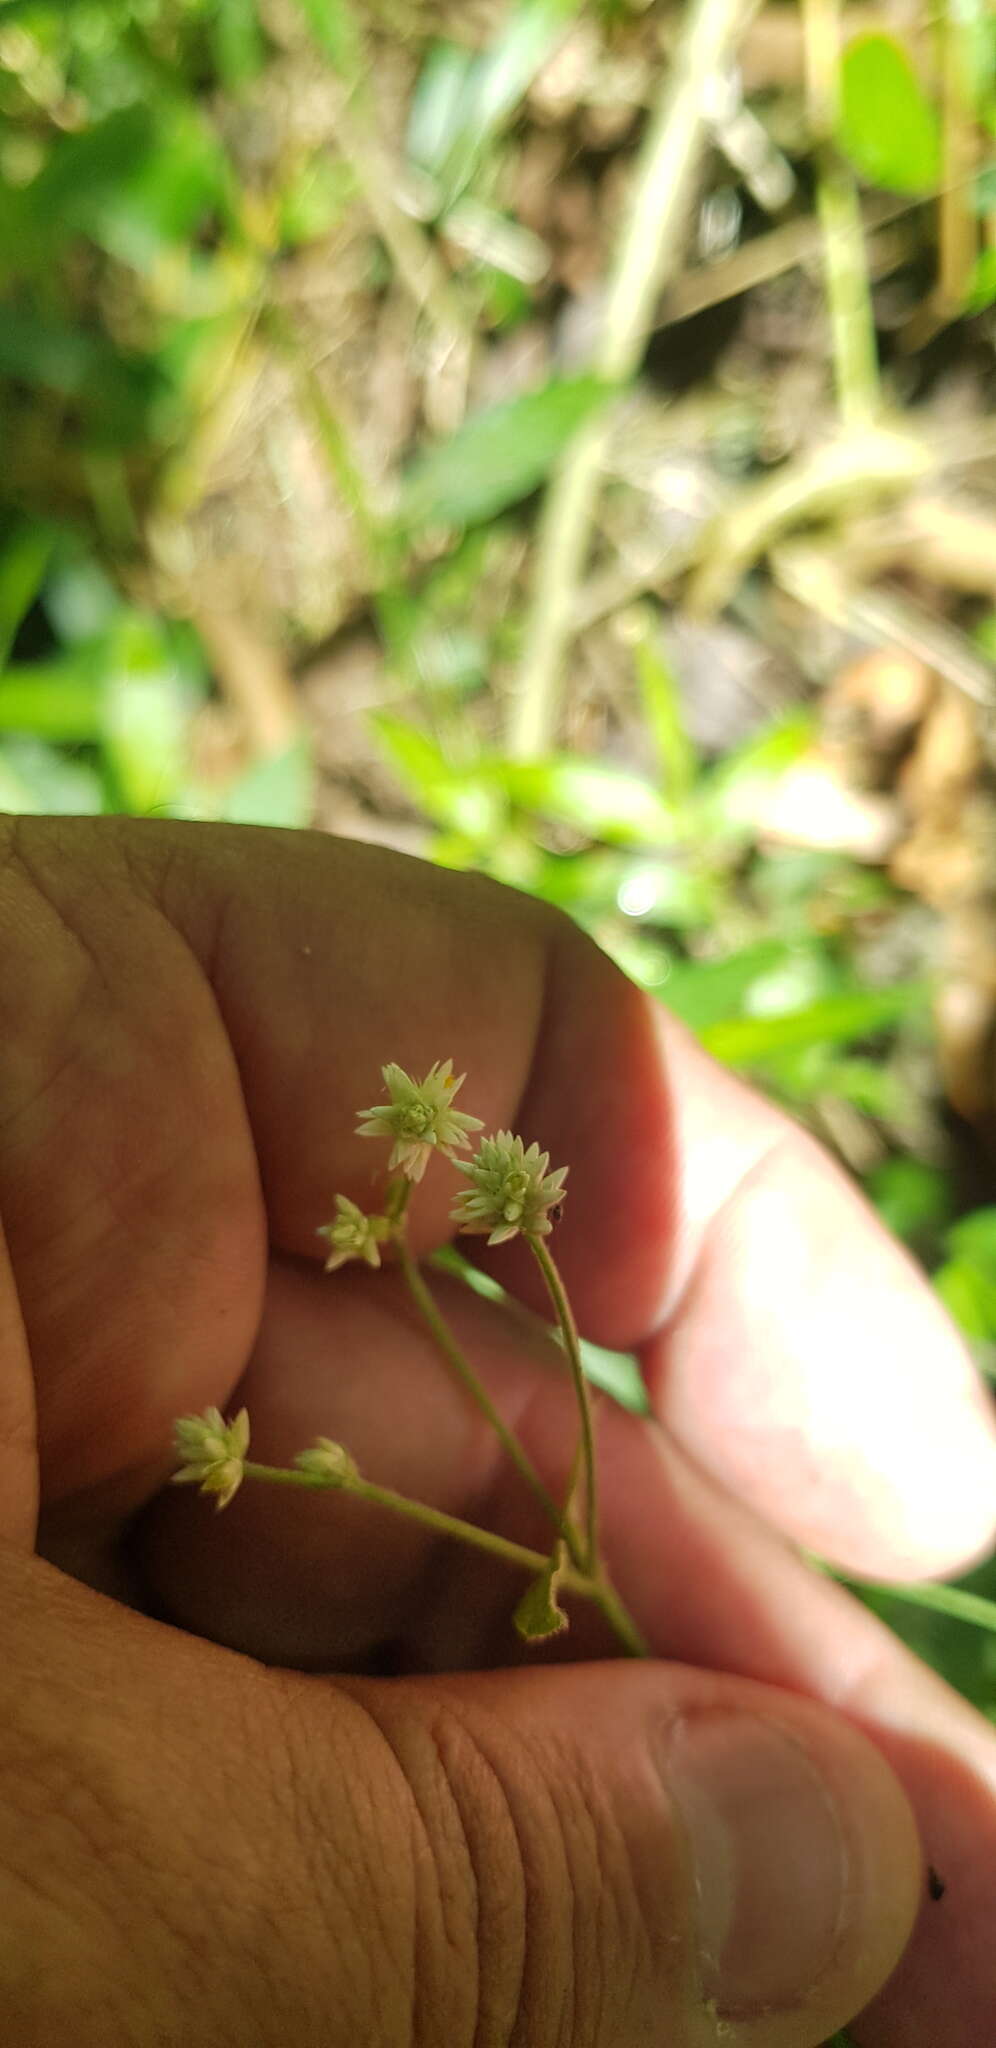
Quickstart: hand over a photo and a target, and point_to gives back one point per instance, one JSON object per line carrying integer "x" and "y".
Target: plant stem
{"x": 568, "y": 1328}
{"x": 845, "y": 265}
{"x": 468, "y": 1378}
{"x": 429, "y": 1518}
{"x": 618, "y": 1618}
{"x": 584, "y": 1584}
{"x": 647, "y": 253}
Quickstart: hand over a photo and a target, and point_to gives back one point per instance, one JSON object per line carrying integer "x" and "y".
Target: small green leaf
{"x": 462, "y": 101}
{"x": 704, "y": 993}
{"x": 981, "y": 290}
{"x": 662, "y": 707}
{"x": 539, "y": 1614}
{"x": 58, "y": 700}
{"x": 859, "y": 1013}
{"x": 912, "y": 1198}
{"x": 499, "y": 456}
{"x": 462, "y": 799}
{"x": 616, "y": 1373}
{"x": 973, "y": 1237}
{"x": 23, "y": 562}
{"x": 888, "y": 127}
{"x": 37, "y": 780}
{"x": 603, "y": 801}
{"x": 275, "y": 791}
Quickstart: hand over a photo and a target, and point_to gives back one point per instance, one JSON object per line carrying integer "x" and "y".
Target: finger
{"x": 614, "y": 1856}
{"x": 285, "y": 967}
{"x": 709, "y": 1584}
{"x": 800, "y": 1356}
{"x": 18, "y": 1448}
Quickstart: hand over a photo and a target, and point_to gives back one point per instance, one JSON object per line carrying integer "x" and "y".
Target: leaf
{"x": 707, "y": 992}
{"x": 23, "y": 562}
{"x": 335, "y": 31}
{"x": 499, "y": 456}
{"x": 912, "y": 1198}
{"x": 953, "y": 1601}
{"x": 36, "y": 780}
{"x": 727, "y": 798}
{"x": 147, "y": 708}
{"x": 887, "y": 126}
{"x": 277, "y": 791}
{"x": 973, "y": 1237}
{"x": 464, "y": 800}
{"x": 981, "y": 291}
{"x": 859, "y": 1013}
{"x": 663, "y": 711}
{"x": 616, "y": 1373}
{"x": 603, "y": 801}
{"x": 539, "y": 1614}
{"x": 59, "y": 700}
{"x": 461, "y": 102}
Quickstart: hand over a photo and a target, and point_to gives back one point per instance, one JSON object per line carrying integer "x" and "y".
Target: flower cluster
{"x": 419, "y": 1117}
{"x": 212, "y": 1452}
{"x": 510, "y": 1190}
{"x": 329, "y": 1461}
{"x": 353, "y": 1235}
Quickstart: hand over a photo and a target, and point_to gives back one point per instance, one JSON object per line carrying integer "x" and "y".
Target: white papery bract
{"x": 353, "y": 1235}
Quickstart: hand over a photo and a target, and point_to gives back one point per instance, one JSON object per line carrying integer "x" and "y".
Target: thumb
{"x": 194, "y": 1848}
{"x": 624, "y": 1856}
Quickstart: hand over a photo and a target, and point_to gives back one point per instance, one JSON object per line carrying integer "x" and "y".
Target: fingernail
{"x": 769, "y": 1857}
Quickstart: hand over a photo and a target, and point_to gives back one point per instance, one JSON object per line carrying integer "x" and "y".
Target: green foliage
{"x": 888, "y": 127}
{"x": 463, "y": 99}
{"x": 497, "y": 457}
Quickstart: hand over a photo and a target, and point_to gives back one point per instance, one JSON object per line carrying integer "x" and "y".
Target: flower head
{"x": 511, "y": 1190}
{"x": 331, "y": 1461}
{"x": 419, "y": 1117}
{"x": 353, "y": 1235}
{"x": 212, "y": 1452}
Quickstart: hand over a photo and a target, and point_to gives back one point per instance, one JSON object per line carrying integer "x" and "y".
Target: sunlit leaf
{"x": 460, "y": 798}
{"x": 861, "y": 1013}
{"x": 499, "y": 456}
{"x": 61, "y": 699}
{"x": 603, "y": 801}
{"x": 24, "y": 558}
{"x": 888, "y": 127}
{"x": 277, "y": 791}
{"x": 37, "y": 780}
{"x": 665, "y": 720}
{"x": 462, "y": 100}
{"x": 706, "y": 992}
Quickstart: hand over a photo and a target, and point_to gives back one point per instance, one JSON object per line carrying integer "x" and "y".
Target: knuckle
{"x": 534, "y": 1898}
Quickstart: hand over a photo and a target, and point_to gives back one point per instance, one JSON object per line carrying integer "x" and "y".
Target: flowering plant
{"x": 511, "y": 1193}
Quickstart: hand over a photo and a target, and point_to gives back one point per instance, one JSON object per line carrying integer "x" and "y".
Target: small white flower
{"x": 353, "y": 1235}
{"x": 330, "y": 1460}
{"x": 212, "y": 1452}
{"x": 419, "y": 1117}
{"x": 511, "y": 1191}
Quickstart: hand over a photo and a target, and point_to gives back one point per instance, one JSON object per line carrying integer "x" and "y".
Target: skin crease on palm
{"x": 189, "y": 1018}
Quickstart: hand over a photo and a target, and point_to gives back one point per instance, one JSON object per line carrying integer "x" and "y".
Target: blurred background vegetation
{"x": 554, "y": 437}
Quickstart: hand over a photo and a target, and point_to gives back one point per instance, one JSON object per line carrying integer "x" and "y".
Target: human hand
{"x": 194, "y": 1848}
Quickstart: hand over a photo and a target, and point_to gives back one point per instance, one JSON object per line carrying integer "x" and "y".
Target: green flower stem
{"x": 465, "y": 1373}
{"x": 518, "y": 1554}
{"x": 568, "y": 1328}
{"x": 606, "y": 1597}
{"x": 416, "y": 1511}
